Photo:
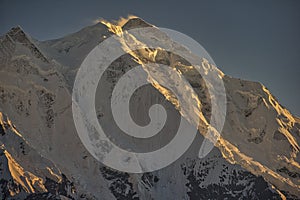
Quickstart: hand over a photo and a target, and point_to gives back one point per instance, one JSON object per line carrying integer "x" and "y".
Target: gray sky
{"x": 254, "y": 40}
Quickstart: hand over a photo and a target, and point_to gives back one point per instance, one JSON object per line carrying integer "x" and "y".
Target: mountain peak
{"x": 17, "y": 35}
{"x": 135, "y": 22}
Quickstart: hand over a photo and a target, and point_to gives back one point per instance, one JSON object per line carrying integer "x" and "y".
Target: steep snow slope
{"x": 35, "y": 95}
{"x": 72, "y": 49}
{"x": 256, "y": 119}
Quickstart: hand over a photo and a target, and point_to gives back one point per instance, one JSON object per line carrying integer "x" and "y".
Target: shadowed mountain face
{"x": 42, "y": 157}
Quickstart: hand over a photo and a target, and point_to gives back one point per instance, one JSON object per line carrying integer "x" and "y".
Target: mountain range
{"x": 42, "y": 156}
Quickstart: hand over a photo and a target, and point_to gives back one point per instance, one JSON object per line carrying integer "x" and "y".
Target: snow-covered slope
{"x": 257, "y": 156}
{"x": 35, "y": 96}
{"x": 70, "y": 50}
{"x": 254, "y": 122}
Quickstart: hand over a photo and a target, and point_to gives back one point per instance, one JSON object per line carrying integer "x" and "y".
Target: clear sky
{"x": 254, "y": 40}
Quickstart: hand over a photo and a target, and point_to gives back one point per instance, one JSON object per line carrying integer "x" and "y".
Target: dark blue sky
{"x": 255, "y": 40}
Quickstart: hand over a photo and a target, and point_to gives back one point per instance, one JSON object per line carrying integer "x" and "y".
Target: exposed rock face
{"x": 17, "y": 35}
{"x": 25, "y": 174}
{"x": 41, "y": 156}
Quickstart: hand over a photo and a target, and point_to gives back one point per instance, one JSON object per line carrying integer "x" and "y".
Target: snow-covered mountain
{"x": 42, "y": 156}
